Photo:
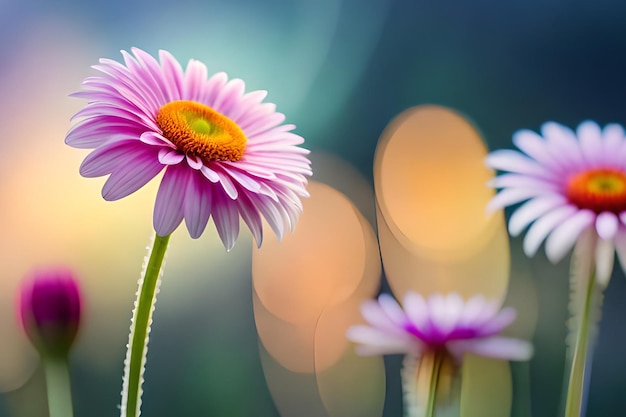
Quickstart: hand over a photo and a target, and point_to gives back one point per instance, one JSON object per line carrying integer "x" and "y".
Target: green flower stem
{"x": 140, "y": 328}
{"x": 56, "y": 370}
{"x": 437, "y": 364}
{"x": 573, "y": 402}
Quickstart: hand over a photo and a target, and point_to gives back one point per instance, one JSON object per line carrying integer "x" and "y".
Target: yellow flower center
{"x": 598, "y": 190}
{"x": 199, "y": 130}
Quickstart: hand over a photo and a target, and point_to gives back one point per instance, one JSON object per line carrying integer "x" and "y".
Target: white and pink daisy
{"x": 440, "y": 322}
{"x": 226, "y": 153}
{"x": 573, "y": 189}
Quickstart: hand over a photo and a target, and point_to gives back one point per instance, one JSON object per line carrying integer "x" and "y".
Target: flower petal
{"x": 543, "y": 226}
{"x": 251, "y": 217}
{"x": 493, "y": 347}
{"x": 590, "y": 137}
{"x": 128, "y": 178}
{"x": 563, "y": 238}
{"x": 226, "y": 219}
{"x": 197, "y": 204}
{"x": 392, "y": 309}
{"x": 496, "y": 324}
{"x": 416, "y": 309}
{"x": 605, "y": 256}
{"x": 607, "y": 224}
{"x": 513, "y": 161}
{"x": 445, "y": 312}
{"x": 510, "y": 196}
{"x": 170, "y": 157}
{"x": 168, "y": 208}
{"x": 532, "y": 210}
{"x": 532, "y": 145}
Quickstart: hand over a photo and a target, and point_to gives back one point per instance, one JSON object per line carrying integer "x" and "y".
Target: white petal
{"x": 210, "y": 174}
{"x": 496, "y": 324}
{"x": 543, "y": 226}
{"x": 607, "y": 225}
{"x": 194, "y": 162}
{"x": 374, "y": 315}
{"x": 154, "y": 139}
{"x": 604, "y": 261}
{"x": 562, "y": 239}
{"x": 590, "y": 137}
{"x": 228, "y": 185}
{"x": 376, "y": 337}
{"x": 563, "y": 144}
{"x": 510, "y": 196}
{"x": 416, "y": 309}
{"x": 454, "y": 306}
{"x": 473, "y": 311}
{"x": 613, "y": 135}
{"x": 532, "y": 144}
{"x": 392, "y": 309}
{"x": 169, "y": 156}
{"x": 533, "y": 209}
{"x": 494, "y": 347}
{"x": 442, "y": 317}
{"x": 513, "y": 161}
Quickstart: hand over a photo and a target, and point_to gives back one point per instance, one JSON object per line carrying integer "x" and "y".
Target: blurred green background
{"x": 340, "y": 70}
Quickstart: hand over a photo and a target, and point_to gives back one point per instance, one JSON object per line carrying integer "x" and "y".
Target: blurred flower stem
{"x": 437, "y": 359}
{"x": 140, "y": 329}
{"x": 56, "y": 369}
{"x": 576, "y": 384}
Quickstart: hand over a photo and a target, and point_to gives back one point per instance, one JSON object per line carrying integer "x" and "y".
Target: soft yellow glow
{"x": 49, "y": 214}
{"x": 487, "y": 387}
{"x": 354, "y": 386}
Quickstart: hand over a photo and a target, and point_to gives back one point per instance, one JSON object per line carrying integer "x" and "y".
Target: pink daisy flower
{"x": 226, "y": 153}
{"x": 441, "y": 322}
{"x": 573, "y": 185}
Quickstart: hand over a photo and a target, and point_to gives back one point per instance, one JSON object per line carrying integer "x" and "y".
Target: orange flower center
{"x": 199, "y": 130}
{"x": 598, "y": 190}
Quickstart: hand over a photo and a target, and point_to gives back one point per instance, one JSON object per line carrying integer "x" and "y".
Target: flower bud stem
{"x": 140, "y": 329}
{"x": 56, "y": 369}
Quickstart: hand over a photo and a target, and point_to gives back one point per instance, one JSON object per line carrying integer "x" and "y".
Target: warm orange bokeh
{"x": 321, "y": 263}
{"x": 431, "y": 193}
{"x": 307, "y": 292}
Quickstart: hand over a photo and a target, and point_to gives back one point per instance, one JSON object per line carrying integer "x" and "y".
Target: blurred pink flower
{"x": 225, "y": 152}
{"x": 49, "y": 310}
{"x": 573, "y": 185}
{"x": 439, "y": 322}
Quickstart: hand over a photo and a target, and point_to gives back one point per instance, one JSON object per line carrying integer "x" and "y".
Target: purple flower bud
{"x": 49, "y": 309}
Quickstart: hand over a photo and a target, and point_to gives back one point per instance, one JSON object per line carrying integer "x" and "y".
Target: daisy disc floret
{"x": 438, "y": 323}
{"x": 572, "y": 186}
{"x": 225, "y": 153}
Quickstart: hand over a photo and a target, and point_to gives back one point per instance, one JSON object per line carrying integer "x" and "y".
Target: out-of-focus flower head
{"x": 49, "y": 308}
{"x": 438, "y": 322}
{"x": 573, "y": 185}
{"x": 225, "y": 153}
